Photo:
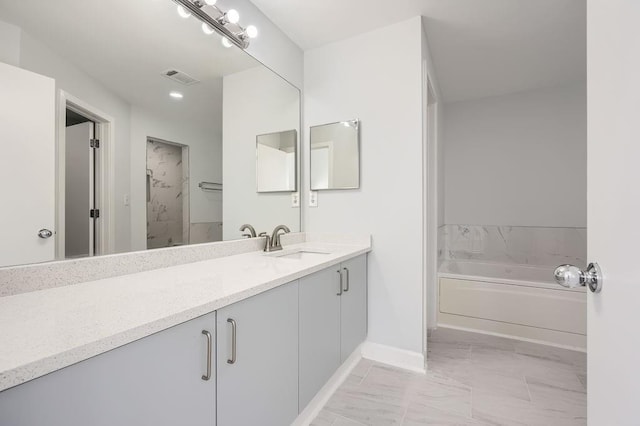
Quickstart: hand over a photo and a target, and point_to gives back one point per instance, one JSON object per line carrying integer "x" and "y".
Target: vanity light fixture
{"x": 251, "y": 31}
{"x": 182, "y": 12}
{"x": 226, "y": 43}
{"x": 206, "y": 28}
{"x": 176, "y": 95}
{"x": 225, "y": 23}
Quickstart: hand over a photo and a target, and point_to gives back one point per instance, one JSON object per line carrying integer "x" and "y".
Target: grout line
{"x": 365, "y": 374}
{"x": 526, "y": 383}
{"x": 404, "y": 415}
{"x": 341, "y": 416}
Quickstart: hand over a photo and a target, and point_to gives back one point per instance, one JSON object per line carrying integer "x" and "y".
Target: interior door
{"x": 27, "y": 166}
{"x": 79, "y": 191}
{"x": 613, "y": 67}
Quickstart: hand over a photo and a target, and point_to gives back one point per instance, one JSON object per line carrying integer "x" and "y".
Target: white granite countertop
{"x": 44, "y": 331}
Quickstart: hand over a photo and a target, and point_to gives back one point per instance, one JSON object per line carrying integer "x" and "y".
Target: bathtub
{"x": 518, "y": 301}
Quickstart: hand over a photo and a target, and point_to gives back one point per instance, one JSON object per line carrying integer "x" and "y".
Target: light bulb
{"x": 207, "y": 29}
{"x": 183, "y": 12}
{"x": 210, "y": 2}
{"x": 226, "y": 43}
{"x": 176, "y": 95}
{"x": 251, "y": 31}
{"x": 233, "y": 16}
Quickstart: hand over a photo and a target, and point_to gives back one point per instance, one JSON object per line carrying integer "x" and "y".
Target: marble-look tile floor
{"x": 472, "y": 379}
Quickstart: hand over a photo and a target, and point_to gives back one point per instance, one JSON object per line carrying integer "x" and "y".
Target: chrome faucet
{"x": 272, "y": 242}
{"x": 251, "y": 229}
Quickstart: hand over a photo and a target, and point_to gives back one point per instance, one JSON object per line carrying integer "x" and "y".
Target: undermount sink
{"x": 302, "y": 254}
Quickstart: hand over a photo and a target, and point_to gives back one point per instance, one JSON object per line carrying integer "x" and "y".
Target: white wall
{"x": 255, "y": 102}
{"x": 517, "y": 159}
{"x": 376, "y": 77}
{"x": 10, "y": 45}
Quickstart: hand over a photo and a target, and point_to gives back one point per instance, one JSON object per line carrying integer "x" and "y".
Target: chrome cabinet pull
{"x": 347, "y": 287}
{"x": 340, "y": 273}
{"x": 234, "y": 334}
{"x": 207, "y": 376}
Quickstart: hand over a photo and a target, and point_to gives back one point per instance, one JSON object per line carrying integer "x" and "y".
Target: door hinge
{"x": 94, "y": 143}
{"x": 94, "y": 213}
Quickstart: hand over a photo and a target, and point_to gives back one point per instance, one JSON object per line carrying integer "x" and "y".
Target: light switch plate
{"x": 125, "y": 200}
{"x": 313, "y": 199}
{"x": 295, "y": 200}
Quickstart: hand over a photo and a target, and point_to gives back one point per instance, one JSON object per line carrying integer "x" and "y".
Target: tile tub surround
{"x": 472, "y": 379}
{"x": 42, "y": 276}
{"x": 205, "y": 232}
{"x": 43, "y": 331}
{"x": 519, "y": 245}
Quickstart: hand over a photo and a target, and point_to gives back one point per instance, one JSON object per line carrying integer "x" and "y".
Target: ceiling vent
{"x": 180, "y": 77}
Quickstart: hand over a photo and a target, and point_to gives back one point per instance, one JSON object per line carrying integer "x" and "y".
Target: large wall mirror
{"x": 335, "y": 156}
{"x": 129, "y": 128}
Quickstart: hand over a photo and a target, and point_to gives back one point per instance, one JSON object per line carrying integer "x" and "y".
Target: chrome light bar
{"x": 196, "y": 8}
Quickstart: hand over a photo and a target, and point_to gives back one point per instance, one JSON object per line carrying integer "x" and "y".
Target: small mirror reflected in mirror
{"x": 276, "y": 156}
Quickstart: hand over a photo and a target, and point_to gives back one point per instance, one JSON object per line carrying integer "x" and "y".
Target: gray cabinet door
{"x": 153, "y": 381}
{"x": 319, "y": 331}
{"x": 260, "y": 387}
{"x": 353, "y": 309}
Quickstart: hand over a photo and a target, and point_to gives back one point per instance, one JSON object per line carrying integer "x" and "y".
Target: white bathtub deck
{"x": 511, "y": 300}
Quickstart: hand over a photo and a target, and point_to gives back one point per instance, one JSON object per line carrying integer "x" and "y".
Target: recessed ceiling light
{"x": 176, "y": 95}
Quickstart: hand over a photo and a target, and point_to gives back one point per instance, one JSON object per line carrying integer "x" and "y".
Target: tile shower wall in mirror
{"x": 174, "y": 120}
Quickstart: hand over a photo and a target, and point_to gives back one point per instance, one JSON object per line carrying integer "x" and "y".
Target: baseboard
{"x": 578, "y": 345}
{"x": 314, "y": 407}
{"x": 407, "y": 360}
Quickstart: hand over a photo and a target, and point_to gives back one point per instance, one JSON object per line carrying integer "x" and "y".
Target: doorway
{"x": 167, "y": 185}
{"x": 88, "y": 191}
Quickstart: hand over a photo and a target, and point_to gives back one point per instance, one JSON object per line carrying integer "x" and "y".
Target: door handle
{"x": 571, "y": 277}
{"x": 340, "y": 273}
{"x": 347, "y": 287}
{"x": 207, "y": 376}
{"x": 45, "y": 233}
{"x": 234, "y": 341}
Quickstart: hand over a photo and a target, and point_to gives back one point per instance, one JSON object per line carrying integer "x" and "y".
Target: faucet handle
{"x": 267, "y": 244}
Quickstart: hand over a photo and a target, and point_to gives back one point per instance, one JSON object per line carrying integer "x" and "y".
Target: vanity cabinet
{"x": 353, "y": 306}
{"x": 157, "y": 380}
{"x": 333, "y": 322}
{"x": 257, "y": 359}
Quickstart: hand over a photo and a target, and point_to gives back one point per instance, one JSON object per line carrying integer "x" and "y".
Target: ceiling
{"x": 479, "y": 48}
{"x": 126, "y": 45}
